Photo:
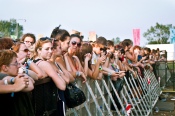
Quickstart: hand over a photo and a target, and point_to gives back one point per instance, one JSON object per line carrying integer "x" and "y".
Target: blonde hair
{"x": 39, "y": 45}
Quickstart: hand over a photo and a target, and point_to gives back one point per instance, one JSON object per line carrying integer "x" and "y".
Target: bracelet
{"x": 29, "y": 62}
{"x": 12, "y": 80}
{"x": 78, "y": 74}
{"x": 26, "y": 71}
{"x": 109, "y": 74}
{"x": 59, "y": 74}
{"x": 100, "y": 68}
{"x": 5, "y": 82}
{"x": 23, "y": 70}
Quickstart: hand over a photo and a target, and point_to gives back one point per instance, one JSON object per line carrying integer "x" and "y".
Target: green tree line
{"x": 10, "y": 28}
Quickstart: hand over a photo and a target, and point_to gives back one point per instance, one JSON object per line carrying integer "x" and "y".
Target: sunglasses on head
{"x": 45, "y": 38}
{"x": 74, "y": 43}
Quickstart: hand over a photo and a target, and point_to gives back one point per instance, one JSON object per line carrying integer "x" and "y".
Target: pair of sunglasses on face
{"x": 103, "y": 49}
{"x": 47, "y": 38}
{"x": 76, "y": 43}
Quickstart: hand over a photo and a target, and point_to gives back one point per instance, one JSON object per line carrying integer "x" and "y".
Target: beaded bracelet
{"x": 29, "y": 62}
{"x": 109, "y": 74}
{"x": 26, "y": 71}
{"x": 5, "y": 82}
{"x": 100, "y": 68}
{"x": 78, "y": 74}
{"x": 12, "y": 80}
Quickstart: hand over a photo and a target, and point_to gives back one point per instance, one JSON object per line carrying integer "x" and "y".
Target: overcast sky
{"x": 108, "y": 18}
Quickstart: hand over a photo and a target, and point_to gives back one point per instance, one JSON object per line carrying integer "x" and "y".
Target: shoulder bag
{"x": 74, "y": 96}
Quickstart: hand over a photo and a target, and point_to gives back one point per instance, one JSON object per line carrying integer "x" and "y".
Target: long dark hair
{"x": 59, "y": 34}
{"x": 85, "y": 48}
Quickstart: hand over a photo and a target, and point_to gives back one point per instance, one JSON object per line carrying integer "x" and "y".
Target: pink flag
{"x": 136, "y": 36}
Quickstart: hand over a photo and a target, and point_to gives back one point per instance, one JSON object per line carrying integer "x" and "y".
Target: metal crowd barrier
{"x": 165, "y": 71}
{"x": 137, "y": 97}
{"x": 136, "y": 93}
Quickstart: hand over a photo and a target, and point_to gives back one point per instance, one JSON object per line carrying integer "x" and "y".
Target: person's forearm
{"x": 96, "y": 70}
{"x": 7, "y": 89}
{"x": 36, "y": 69}
{"x": 1, "y": 82}
{"x": 136, "y": 57}
{"x": 106, "y": 64}
{"x": 68, "y": 67}
{"x": 32, "y": 74}
{"x": 121, "y": 66}
{"x": 141, "y": 60}
{"x": 108, "y": 70}
{"x": 66, "y": 79}
{"x": 152, "y": 62}
{"x": 86, "y": 67}
{"x": 66, "y": 73}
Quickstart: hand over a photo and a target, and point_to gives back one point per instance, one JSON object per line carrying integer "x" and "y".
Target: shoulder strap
{"x": 58, "y": 67}
{"x": 37, "y": 61}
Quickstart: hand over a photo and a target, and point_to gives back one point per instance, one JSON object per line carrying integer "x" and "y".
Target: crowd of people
{"x": 63, "y": 58}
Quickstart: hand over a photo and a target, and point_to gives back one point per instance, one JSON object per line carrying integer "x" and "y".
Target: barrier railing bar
{"x": 130, "y": 100}
{"x": 110, "y": 96}
{"x": 139, "y": 94}
{"x": 94, "y": 98}
{"x": 117, "y": 95}
{"x": 136, "y": 96}
{"x": 132, "y": 96}
{"x": 104, "y": 100}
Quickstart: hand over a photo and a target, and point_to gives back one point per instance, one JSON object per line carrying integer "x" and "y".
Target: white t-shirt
{"x": 94, "y": 58}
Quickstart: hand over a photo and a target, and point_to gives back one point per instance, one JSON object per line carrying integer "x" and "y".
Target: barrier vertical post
{"x": 149, "y": 81}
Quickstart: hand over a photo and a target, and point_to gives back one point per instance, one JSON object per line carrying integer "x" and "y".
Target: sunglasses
{"x": 25, "y": 50}
{"x": 103, "y": 49}
{"x": 45, "y": 38}
{"x": 74, "y": 43}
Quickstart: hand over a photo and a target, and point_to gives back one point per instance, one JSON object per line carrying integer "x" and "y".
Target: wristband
{"x": 29, "y": 62}
{"x": 78, "y": 74}
{"x": 26, "y": 71}
{"x": 5, "y": 82}
{"x": 109, "y": 74}
{"x": 100, "y": 68}
{"x": 12, "y": 94}
{"x": 12, "y": 80}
